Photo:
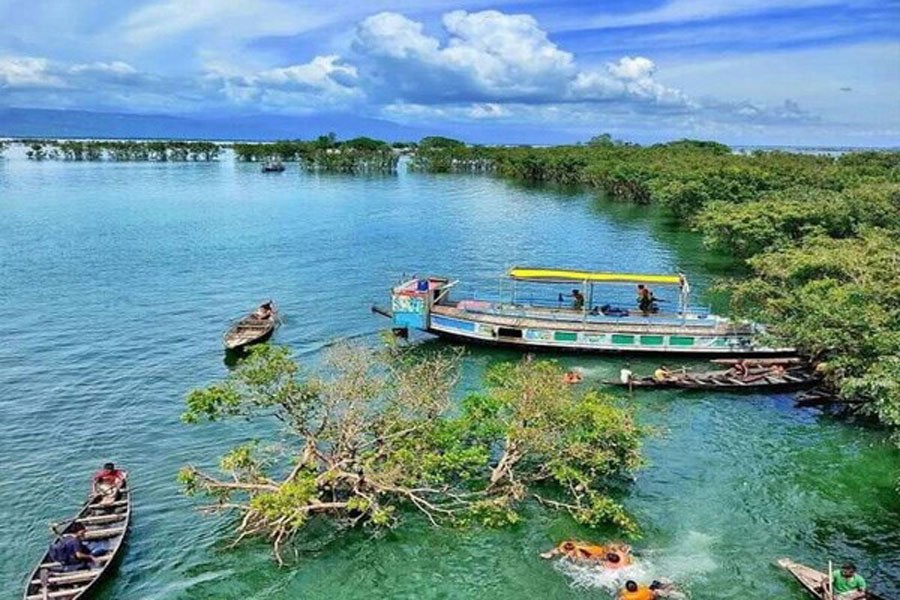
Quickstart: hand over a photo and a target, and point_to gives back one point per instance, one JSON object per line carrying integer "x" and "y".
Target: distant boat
{"x": 520, "y": 319}
{"x": 273, "y": 167}
{"x": 107, "y": 521}
{"x": 255, "y": 328}
{"x": 812, "y": 580}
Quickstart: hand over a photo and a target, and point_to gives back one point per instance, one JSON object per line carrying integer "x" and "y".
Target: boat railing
{"x": 562, "y": 311}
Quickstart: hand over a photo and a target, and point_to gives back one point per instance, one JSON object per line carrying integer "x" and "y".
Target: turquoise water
{"x": 117, "y": 280}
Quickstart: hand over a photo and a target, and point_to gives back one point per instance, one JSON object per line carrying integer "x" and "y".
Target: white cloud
{"x": 27, "y": 72}
{"x": 490, "y": 57}
{"x": 167, "y": 19}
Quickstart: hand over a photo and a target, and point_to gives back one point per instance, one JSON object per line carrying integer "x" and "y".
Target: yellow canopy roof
{"x": 568, "y": 275}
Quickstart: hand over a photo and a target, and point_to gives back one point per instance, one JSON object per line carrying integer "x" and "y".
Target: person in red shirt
{"x": 107, "y": 482}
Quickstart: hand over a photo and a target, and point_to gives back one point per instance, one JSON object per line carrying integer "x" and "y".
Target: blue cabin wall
{"x": 409, "y": 311}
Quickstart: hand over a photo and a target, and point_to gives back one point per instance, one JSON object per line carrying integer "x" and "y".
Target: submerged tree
{"x": 375, "y": 432}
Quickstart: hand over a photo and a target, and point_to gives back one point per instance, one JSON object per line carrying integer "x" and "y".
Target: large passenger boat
{"x": 576, "y": 321}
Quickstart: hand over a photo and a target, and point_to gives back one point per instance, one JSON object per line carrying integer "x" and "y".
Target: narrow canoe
{"x": 251, "y": 330}
{"x": 108, "y": 522}
{"x": 811, "y": 579}
{"x": 722, "y": 381}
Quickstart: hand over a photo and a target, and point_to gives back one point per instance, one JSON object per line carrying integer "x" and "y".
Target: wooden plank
{"x": 97, "y": 519}
{"x": 99, "y": 505}
{"x": 56, "y": 565}
{"x": 61, "y": 594}
{"x": 72, "y": 577}
{"x": 99, "y": 534}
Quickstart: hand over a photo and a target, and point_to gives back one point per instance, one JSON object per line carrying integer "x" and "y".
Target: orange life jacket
{"x": 642, "y": 593}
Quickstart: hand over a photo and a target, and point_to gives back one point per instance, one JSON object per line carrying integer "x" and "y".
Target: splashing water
{"x": 685, "y": 562}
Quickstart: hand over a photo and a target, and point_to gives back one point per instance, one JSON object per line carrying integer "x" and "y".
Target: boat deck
{"x": 568, "y": 319}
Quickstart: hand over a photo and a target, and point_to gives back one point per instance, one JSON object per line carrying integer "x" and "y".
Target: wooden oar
{"x": 829, "y": 588}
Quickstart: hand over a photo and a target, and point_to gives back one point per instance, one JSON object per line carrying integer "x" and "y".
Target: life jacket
{"x": 642, "y": 593}
{"x": 584, "y": 551}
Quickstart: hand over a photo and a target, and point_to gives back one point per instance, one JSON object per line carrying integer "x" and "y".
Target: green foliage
{"x": 371, "y": 435}
{"x": 123, "y": 151}
{"x": 838, "y": 299}
{"x": 326, "y": 153}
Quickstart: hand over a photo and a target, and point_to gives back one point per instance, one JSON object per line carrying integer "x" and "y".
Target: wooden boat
{"x": 425, "y": 304}
{"x": 252, "y": 329}
{"x": 725, "y": 381}
{"x": 104, "y": 521}
{"x": 811, "y": 579}
{"x": 273, "y": 167}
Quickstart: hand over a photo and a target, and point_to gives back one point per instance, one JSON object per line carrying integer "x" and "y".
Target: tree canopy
{"x": 375, "y": 436}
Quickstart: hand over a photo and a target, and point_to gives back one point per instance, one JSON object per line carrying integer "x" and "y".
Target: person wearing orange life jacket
{"x": 577, "y": 551}
{"x": 633, "y": 591}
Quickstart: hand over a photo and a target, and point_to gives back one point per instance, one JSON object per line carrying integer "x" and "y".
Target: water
{"x": 117, "y": 280}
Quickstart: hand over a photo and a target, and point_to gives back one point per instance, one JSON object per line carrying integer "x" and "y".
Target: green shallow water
{"x": 117, "y": 280}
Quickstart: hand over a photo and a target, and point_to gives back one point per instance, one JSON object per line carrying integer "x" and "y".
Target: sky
{"x": 807, "y": 72}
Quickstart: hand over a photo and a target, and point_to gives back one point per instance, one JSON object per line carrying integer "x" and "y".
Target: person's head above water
{"x": 613, "y": 557}
{"x": 109, "y": 467}
{"x": 568, "y": 546}
{"x": 631, "y": 586}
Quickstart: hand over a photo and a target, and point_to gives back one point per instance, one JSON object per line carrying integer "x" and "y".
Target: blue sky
{"x": 740, "y": 71}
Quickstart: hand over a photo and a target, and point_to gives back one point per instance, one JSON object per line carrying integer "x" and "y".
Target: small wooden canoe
{"x": 275, "y": 167}
{"x": 811, "y": 579}
{"x": 725, "y": 381}
{"x": 252, "y": 329}
{"x": 107, "y": 522}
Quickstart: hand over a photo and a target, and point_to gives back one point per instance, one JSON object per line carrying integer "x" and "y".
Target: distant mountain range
{"x": 45, "y": 123}
{"x": 29, "y": 122}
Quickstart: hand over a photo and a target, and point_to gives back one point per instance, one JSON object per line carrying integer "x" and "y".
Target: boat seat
{"x": 97, "y": 519}
{"x": 99, "y": 534}
{"x": 73, "y": 577}
{"x": 56, "y": 565}
{"x": 108, "y": 504}
{"x": 61, "y": 594}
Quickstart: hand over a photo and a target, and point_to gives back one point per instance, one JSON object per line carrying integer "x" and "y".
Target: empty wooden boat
{"x": 105, "y": 521}
{"x": 812, "y": 579}
{"x": 255, "y": 328}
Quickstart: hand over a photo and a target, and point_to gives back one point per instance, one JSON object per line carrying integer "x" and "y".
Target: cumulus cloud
{"x": 490, "y": 57}
{"x": 325, "y": 80}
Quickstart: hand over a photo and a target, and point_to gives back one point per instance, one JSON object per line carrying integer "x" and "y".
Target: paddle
{"x": 829, "y": 588}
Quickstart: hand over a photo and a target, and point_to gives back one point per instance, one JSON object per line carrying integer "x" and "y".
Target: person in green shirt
{"x": 847, "y": 584}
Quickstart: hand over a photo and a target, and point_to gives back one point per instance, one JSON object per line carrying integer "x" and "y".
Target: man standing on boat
{"x": 577, "y": 300}
{"x": 645, "y": 299}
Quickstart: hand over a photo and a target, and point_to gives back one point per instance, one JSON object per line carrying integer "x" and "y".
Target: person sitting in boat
{"x": 740, "y": 369}
{"x": 847, "y": 584}
{"x": 777, "y": 370}
{"x": 577, "y": 551}
{"x": 645, "y": 299}
{"x": 263, "y": 312}
{"x": 626, "y": 376}
{"x": 107, "y": 482}
{"x": 577, "y": 300}
{"x": 71, "y": 552}
{"x": 661, "y": 374}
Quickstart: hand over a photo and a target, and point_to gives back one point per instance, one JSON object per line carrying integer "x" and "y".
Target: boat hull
{"x": 575, "y": 348}
{"x": 115, "y": 518}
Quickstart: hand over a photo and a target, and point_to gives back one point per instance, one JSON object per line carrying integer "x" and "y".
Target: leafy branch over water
{"x": 374, "y": 432}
